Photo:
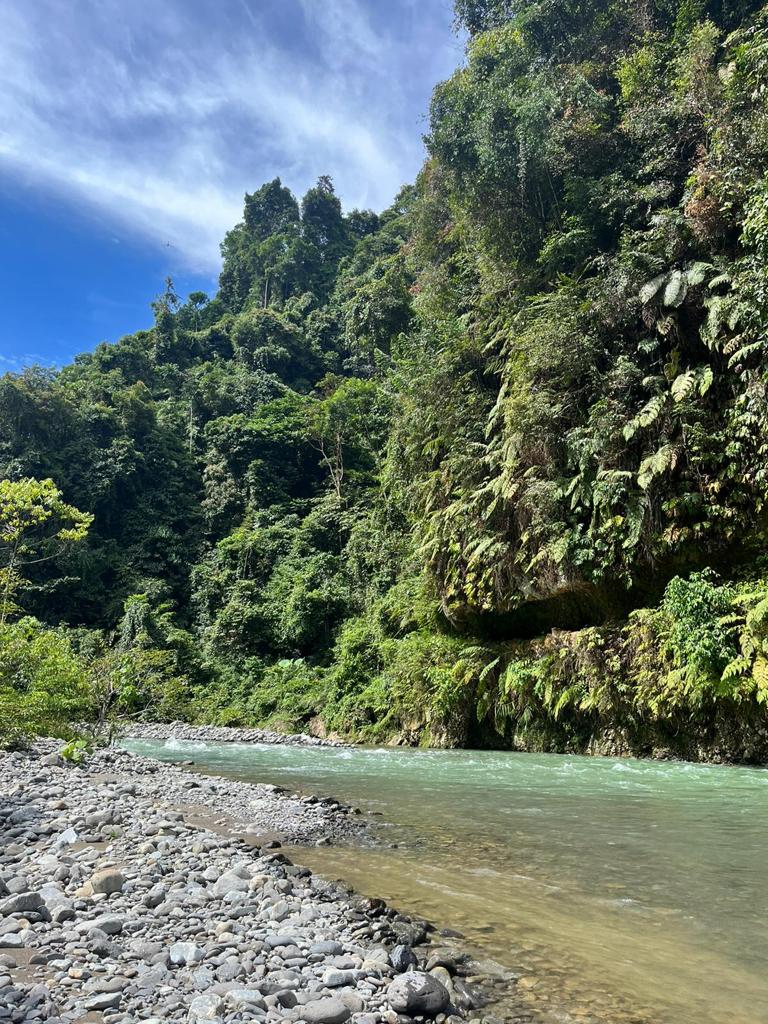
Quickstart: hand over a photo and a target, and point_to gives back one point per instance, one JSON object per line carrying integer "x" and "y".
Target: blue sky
{"x": 130, "y": 129}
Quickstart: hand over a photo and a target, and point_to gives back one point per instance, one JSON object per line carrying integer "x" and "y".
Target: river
{"x": 617, "y": 891}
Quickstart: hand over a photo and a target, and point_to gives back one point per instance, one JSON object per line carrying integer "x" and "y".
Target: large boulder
{"x": 229, "y": 882}
{"x": 418, "y": 995}
{"x": 65, "y": 838}
{"x": 207, "y": 1006}
{"x": 53, "y": 896}
{"x": 155, "y": 896}
{"x": 110, "y": 924}
{"x": 103, "y": 1001}
{"x": 243, "y": 1000}
{"x": 335, "y": 978}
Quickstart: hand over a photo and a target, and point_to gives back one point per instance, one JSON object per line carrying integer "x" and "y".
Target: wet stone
{"x": 418, "y": 994}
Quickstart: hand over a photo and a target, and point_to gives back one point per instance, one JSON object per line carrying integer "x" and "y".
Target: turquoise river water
{"x": 617, "y": 891}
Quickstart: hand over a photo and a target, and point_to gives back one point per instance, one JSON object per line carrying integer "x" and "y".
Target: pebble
{"x": 326, "y": 1011}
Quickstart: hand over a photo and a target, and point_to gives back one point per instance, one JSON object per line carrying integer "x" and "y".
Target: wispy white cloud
{"x": 161, "y": 116}
{"x": 15, "y": 363}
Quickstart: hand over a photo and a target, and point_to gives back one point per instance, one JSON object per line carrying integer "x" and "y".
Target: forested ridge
{"x": 489, "y": 467}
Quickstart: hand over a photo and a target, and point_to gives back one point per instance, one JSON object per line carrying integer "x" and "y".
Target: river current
{"x": 616, "y": 891}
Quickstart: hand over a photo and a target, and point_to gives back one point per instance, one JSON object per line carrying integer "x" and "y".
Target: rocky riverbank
{"x": 221, "y": 734}
{"x": 135, "y": 891}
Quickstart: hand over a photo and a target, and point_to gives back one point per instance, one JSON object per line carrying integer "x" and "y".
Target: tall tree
{"x": 324, "y": 230}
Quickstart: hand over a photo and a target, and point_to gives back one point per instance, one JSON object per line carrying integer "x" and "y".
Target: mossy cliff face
{"x": 688, "y": 679}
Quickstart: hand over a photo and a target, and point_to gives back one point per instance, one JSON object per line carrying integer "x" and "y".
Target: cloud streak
{"x": 159, "y": 117}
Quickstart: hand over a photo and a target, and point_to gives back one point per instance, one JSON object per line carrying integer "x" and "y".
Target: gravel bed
{"x": 221, "y": 734}
{"x": 132, "y": 890}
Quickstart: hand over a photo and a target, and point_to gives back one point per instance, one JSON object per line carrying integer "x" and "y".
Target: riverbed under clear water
{"x": 618, "y": 891}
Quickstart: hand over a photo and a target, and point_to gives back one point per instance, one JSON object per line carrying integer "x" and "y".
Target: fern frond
{"x": 737, "y": 668}
{"x": 683, "y": 385}
{"x": 675, "y": 289}
{"x": 742, "y": 354}
{"x": 718, "y": 280}
{"x": 651, "y": 288}
{"x": 760, "y": 676}
{"x": 697, "y": 272}
{"x": 662, "y": 461}
{"x": 704, "y": 377}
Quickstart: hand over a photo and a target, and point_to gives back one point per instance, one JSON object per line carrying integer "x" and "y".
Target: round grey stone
{"x": 417, "y": 994}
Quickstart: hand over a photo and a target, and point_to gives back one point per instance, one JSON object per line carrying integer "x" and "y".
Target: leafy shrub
{"x": 700, "y": 646}
{"x": 143, "y": 681}
{"x": 746, "y": 674}
{"x": 75, "y": 751}
{"x": 287, "y": 694}
{"x": 43, "y": 684}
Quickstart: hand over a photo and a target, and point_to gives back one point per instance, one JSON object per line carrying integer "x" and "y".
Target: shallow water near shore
{"x": 619, "y": 891}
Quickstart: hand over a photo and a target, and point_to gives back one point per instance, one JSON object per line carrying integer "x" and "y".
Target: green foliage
{"x": 142, "y": 672}
{"x": 528, "y": 395}
{"x": 145, "y": 681}
{"x": 43, "y": 684}
{"x": 746, "y": 674}
{"x": 661, "y": 678}
{"x": 35, "y": 525}
{"x": 699, "y": 646}
{"x": 381, "y": 684}
{"x": 592, "y": 313}
{"x": 75, "y": 751}
{"x": 286, "y": 696}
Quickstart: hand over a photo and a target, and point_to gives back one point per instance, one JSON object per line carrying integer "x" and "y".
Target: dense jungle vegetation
{"x": 490, "y": 467}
